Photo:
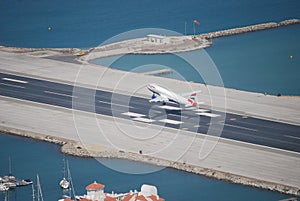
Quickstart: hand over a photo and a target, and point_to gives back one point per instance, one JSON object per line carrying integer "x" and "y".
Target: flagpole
{"x": 194, "y": 29}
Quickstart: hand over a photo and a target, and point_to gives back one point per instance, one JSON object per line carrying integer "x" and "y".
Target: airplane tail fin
{"x": 193, "y": 96}
{"x": 192, "y": 100}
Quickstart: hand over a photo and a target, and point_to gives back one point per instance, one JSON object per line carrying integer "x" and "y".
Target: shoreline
{"x": 174, "y": 44}
{"x": 74, "y": 148}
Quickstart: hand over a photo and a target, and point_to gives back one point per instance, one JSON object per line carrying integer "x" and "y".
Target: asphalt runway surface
{"x": 199, "y": 120}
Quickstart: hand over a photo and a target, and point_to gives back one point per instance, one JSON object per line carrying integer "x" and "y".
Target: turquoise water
{"x": 255, "y": 61}
{"x": 258, "y": 62}
{"x": 76, "y": 23}
{"x": 31, "y": 157}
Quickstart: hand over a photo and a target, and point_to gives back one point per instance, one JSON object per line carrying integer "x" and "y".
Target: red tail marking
{"x": 190, "y": 101}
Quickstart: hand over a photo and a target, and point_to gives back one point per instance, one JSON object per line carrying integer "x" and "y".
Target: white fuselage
{"x": 170, "y": 96}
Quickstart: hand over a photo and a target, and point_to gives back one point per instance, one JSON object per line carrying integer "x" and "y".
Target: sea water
{"x": 76, "y": 23}
{"x": 84, "y": 24}
{"x": 257, "y": 62}
{"x": 29, "y": 158}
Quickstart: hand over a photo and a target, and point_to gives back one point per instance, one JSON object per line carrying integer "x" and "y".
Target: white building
{"x": 157, "y": 39}
{"x": 95, "y": 192}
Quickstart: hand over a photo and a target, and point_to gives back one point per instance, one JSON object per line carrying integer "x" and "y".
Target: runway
{"x": 202, "y": 120}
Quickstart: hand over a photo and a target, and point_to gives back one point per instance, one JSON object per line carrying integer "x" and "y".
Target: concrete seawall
{"x": 246, "y": 29}
{"x": 74, "y": 148}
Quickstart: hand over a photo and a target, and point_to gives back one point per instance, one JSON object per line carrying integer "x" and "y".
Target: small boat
{"x": 26, "y": 182}
{"x": 3, "y": 187}
{"x": 65, "y": 183}
{"x": 71, "y": 189}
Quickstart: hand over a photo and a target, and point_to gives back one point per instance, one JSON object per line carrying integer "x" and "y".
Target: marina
{"x": 185, "y": 186}
{"x": 9, "y": 181}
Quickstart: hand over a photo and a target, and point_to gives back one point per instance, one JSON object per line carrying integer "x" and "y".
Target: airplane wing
{"x": 159, "y": 99}
{"x": 189, "y": 93}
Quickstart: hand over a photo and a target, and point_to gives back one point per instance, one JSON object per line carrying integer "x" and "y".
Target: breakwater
{"x": 173, "y": 44}
{"x": 246, "y": 29}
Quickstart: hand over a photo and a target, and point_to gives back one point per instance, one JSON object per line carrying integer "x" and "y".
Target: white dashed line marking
{"x": 245, "y": 128}
{"x": 14, "y": 80}
{"x": 169, "y": 121}
{"x": 201, "y": 110}
{"x": 167, "y": 107}
{"x": 294, "y": 137}
{"x": 208, "y": 114}
{"x": 59, "y": 94}
{"x": 132, "y": 114}
{"x": 12, "y": 85}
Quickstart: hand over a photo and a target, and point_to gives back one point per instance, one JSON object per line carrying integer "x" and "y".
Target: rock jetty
{"x": 246, "y": 29}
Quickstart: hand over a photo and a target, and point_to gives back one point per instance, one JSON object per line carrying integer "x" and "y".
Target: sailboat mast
{"x": 33, "y": 193}
{"x": 39, "y": 189}
{"x": 71, "y": 189}
{"x": 9, "y": 165}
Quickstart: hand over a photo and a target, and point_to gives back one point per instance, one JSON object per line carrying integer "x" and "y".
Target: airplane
{"x": 163, "y": 95}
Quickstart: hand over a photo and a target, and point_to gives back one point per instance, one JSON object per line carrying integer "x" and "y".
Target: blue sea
{"x": 29, "y": 158}
{"x": 257, "y": 61}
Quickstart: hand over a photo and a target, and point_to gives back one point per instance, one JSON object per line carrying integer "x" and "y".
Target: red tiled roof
{"x": 154, "y": 198}
{"x": 94, "y": 186}
{"x": 128, "y": 197}
{"x": 108, "y": 198}
{"x": 141, "y": 198}
{"x": 84, "y": 199}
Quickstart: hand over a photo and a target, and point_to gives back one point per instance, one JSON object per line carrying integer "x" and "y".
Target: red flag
{"x": 197, "y": 22}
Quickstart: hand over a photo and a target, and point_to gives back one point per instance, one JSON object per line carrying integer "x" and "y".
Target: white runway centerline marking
{"x": 59, "y": 94}
{"x": 245, "y": 128}
{"x": 167, "y": 107}
{"x": 294, "y": 137}
{"x": 110, "y": 103}
{"x": 169, "y": 121}
{"x": 14, "y": 80}
{"x": 143, "y": 119}
{"x": 132, "y": 114}
{"x": 12, "y": 85}
{"x": 208, "y": 114}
